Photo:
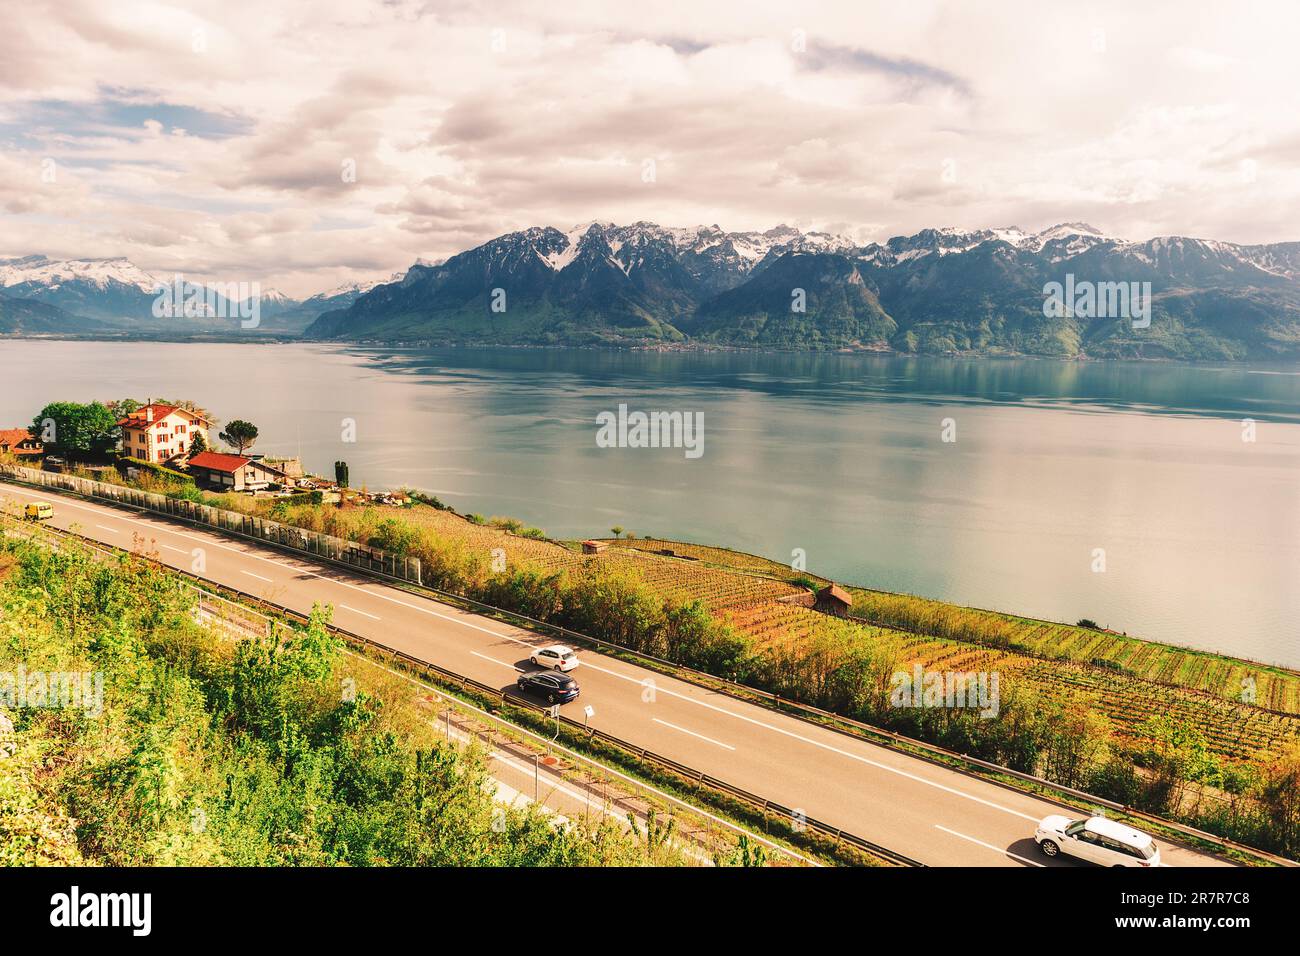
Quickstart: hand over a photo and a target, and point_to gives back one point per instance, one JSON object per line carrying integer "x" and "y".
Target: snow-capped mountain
{"x": 1055, "y": 243}
{"x": 95, "y": 288}
{"x": 39, "y": 271}
{"x": 118, "y": 296}
{"x": 349, "y": 291}
{"x": 938, "y": 290}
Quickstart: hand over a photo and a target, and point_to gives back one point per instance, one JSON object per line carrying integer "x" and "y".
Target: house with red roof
{"x": 19, "y": 442}
{"x": 234, "y": 472}
{"x": 159, "y": 433}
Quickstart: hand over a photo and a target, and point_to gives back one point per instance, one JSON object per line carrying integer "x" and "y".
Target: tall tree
{"x": 198, "y": 444}
{"x": 239, "y": 435}
{"x": 75, "y": 430}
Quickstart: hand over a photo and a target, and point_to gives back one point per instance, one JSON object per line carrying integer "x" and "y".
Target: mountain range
{"x": 42, "y": 296}
{"x": 937, "y": 291}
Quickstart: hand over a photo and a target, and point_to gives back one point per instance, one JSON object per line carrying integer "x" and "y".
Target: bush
{"x": 250, "y": 737}
{"x": 395, "y": 537}
{"x": 159, "y": 471}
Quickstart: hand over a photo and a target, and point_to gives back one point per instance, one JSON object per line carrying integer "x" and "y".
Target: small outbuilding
{"x": 233, "y": 472}
{"x": 594, "y": 547}
{"x": 833, "y": 599}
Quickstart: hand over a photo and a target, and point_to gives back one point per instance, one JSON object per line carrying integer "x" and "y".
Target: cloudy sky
{"x": 302, "y": 143}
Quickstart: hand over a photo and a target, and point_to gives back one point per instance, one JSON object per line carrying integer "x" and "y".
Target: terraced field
{"x": 1238, "y": 681}
{"x": 1123, "y": 677}
{"x": 1274, "y": 688}
{"x": 674, "y": 578}
{"x": 770, "y": 624}
{"x": 1232, "y": 729}
{"x": 718, "y": 557}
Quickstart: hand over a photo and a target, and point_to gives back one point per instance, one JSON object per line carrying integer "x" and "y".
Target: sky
{"x": 305, "y": 143}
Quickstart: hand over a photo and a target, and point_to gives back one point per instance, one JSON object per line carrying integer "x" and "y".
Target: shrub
{"x": 395, "y": 537}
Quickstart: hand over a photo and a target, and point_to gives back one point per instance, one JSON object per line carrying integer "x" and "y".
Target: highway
{"x": 935, "y": 815}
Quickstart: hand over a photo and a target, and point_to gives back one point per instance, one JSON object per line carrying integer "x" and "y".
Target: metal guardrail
{"x": 342, "y": 551}
{"x": 765, "y": 806}
{"x": 793, "y": 708}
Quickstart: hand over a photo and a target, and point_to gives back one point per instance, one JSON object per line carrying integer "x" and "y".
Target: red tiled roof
{"x": 137, "y": 418}
{"x": 13, "y": 437}
{"x": 215, "y": 461}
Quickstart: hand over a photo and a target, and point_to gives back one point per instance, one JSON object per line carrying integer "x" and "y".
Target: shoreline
{"x": 683, "y": 348}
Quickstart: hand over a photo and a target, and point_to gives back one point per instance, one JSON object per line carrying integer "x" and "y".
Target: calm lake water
{"x": 841, "y": 456}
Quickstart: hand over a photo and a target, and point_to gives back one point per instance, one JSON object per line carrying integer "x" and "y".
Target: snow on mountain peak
{"x": 101, "y": 273}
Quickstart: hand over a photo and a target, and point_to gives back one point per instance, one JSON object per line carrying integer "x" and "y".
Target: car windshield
{"x": 1074, "y": 828}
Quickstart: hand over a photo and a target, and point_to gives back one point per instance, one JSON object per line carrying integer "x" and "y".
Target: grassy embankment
{"x": 213, "y": 752}
{"x": 1155, "y": 727}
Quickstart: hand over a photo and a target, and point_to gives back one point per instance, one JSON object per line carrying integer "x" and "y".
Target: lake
{"x": 1056, "y": 470}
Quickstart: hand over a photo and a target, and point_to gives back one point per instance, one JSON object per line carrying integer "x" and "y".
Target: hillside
{"x": 935, "y": 292}
{"x": 202, "y": 751}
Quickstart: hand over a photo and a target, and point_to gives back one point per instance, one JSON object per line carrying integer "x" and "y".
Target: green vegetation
{"x": 243, "y": 753}
{"x": 239, "y": 435}
{"x": 1273, "y": 687}
{"x": 165, "y": 474}
{"x": 1079, "y": 705}
{"x": 77, "y": 430}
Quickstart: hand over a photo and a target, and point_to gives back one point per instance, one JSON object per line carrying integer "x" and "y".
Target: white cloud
{"x": 463, "y": 123}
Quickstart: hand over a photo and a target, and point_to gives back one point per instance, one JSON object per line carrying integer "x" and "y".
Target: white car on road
{"x": 1097, "y": 840}
{"x": 559, "y": 656}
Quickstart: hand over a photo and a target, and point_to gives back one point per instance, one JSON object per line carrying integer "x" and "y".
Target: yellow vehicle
{"x": 38, "y": 511}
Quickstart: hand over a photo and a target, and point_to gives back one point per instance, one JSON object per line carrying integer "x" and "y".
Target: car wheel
{"x": 1049, "y": 848}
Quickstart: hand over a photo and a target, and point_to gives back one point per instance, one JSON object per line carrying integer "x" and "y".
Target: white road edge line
{"x": 617, "y": 773}
{"x": 104, "y": 527}
{"x": 258, "y": 576}
{"x": 990, "y": 846}
{"x": 495, "y": 661}
{"x": 355, "y": 611}
{"x": 692, "y": 733}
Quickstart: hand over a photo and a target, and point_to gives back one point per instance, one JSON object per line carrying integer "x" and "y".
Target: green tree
{"x": 341, "y": 474}
{"x": 198, "y": 445}
{"x": 76, "y": 430}
{"x": 122, "y": 407}
{"x": 618, "y": 530}
{"x": 239, "y": 435}
{"x": 1074, "y": 743}
{"x": 1279, "y": 794}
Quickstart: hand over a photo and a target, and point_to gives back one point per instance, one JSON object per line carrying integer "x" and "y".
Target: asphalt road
{"x": 933, "y": 814}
